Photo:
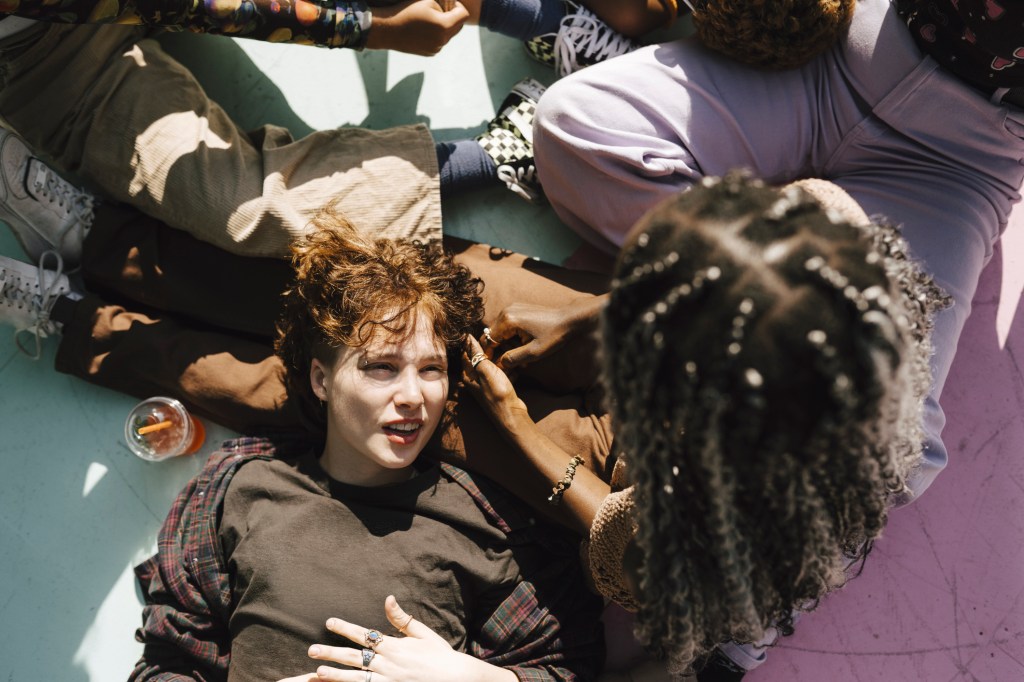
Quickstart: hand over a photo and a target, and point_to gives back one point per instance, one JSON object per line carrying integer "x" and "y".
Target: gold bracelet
{"x": 570, "y": 471}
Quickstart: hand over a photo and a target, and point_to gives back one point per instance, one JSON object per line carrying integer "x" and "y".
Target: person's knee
{"x": 559, "y": 113}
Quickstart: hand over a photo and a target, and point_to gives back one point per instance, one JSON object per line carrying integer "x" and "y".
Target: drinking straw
{"x": 160, "y": 426}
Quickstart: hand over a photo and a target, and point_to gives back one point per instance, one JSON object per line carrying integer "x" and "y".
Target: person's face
{"x": 384, "y": 401}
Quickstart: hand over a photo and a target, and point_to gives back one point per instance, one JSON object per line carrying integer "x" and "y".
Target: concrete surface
{"x": 941, "y": 597}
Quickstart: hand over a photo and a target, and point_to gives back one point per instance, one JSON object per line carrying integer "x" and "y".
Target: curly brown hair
{"x": 771, "y": 34}
{"x": 348, "y": 286}
{"x": 769, "y": 364}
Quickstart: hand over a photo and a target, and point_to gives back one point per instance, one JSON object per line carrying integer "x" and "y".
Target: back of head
{"x": 349, "y": 286}
{"x": 771, "y": 34}
{"x": 769, "y": 364}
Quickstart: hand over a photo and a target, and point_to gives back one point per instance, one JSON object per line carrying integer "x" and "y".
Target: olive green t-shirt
{"x": 301, "y": 547}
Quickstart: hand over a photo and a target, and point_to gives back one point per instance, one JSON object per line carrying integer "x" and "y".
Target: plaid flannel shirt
{"x": 188, "y": 592}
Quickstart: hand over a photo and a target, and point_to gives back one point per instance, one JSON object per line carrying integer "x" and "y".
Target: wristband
{"x": 570, "y": 471}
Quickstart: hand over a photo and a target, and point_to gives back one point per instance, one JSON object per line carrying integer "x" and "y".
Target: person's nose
{"x": 409, "y": 391}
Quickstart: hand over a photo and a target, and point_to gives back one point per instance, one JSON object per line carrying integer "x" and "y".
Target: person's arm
{"x": 579, "y": 503}
{"x": 414, "y": 26}
{"x": 185, "y": 587}
{"x": 419, "y": 27}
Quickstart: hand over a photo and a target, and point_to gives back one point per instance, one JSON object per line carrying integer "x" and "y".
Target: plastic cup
{"x": 159, "y": 428}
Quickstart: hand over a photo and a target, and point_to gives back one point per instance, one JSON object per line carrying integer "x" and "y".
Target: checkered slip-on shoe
{"x": 509, "y": 140}
{"x": 581, "y": 40}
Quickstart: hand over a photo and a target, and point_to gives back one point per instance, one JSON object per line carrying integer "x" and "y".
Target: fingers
{"x": 398, "y": 617}
{"x": 506, "y": 327}
{"x": 336, "y": 675}
{"x": 405, "y": 623}
{"x": 472, "y": 346}
{"x": 457, "y": 15}
{"x": 349, "y": 631}
{"x": 517, "y": 357}
{"x": 337, "y": 654}
{"x": 477, "y": 366}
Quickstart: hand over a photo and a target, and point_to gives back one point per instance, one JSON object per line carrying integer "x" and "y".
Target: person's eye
{"x": 379, "y": 368}
{"x": 433, "y": 371}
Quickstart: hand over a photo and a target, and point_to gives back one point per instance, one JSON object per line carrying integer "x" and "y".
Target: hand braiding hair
{"x": 768, "y": 365}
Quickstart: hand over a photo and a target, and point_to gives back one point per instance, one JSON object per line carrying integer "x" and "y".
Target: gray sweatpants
{"x": 902, "y": 136}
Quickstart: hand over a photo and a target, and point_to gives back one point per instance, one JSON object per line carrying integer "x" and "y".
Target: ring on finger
{"x": 477, "y": 359}
{"x": 369, "y": 676}
{"x": 373, "y": 638}
{"x": 407, "y": 623}
{"x": 368, "y": 655}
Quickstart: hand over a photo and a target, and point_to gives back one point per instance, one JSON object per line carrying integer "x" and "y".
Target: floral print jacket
{"x": 326, "y": 23}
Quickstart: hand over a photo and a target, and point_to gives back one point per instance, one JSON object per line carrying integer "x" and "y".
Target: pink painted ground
{"x": 942, "y": 595}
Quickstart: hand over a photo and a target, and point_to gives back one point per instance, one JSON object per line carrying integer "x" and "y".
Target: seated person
{"x": 767, "y": 365}
{"x": 275, "y": 535}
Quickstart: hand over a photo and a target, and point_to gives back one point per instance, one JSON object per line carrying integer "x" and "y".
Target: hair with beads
{"x": 349, "y": 286}
{"x": 769, "y": 364}
{"x": 771, "y": 34}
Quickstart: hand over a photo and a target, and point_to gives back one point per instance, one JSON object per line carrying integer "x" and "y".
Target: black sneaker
{"x": 509, "y": 140}
{"x": 582, "y": 39}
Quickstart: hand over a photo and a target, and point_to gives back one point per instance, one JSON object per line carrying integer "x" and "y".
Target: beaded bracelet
{"x": 570, "y": 471}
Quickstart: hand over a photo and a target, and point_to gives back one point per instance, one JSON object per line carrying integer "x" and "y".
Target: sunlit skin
{"x": 384, "y": 401}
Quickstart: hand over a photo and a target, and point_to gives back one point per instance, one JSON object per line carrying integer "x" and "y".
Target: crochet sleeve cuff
{"x": 612, "y": 530}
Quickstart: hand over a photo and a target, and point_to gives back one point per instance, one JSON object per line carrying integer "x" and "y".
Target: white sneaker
{"x": 28, "y": 294}
{"x": 582, "y": 39}
{"x": 45, "y": 211}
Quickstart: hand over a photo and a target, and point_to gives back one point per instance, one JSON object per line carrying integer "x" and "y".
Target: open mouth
{"x": 403, "y": 433}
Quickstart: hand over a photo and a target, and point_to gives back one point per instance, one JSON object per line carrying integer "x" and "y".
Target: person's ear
{"x": 318, "y": 379}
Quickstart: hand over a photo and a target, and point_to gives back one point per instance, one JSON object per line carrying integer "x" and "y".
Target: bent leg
{"x": 131, "y": 256}
{"x": 949, "y": 182}
{"x": 226, "y": 378}
{"x": 109, "y": 105}
{"x": 617, "y": 138}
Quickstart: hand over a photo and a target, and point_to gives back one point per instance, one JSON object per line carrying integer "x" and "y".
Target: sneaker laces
{"x": 520, "y": 180}
{"x": 583, "y": 34}
{"x": 40, "y": 304}
{"x": 55, "y": 189}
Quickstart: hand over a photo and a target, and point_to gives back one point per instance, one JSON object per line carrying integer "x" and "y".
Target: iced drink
{"x": 160, "y": 427}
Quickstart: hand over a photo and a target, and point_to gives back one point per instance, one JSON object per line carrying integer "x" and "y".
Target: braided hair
{"x": 769, "y": 364}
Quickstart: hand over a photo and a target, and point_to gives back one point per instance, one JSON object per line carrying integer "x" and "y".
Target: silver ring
{"x": 373, "y": 638}
{"x": 369, "y": 676}
{"x": 368, "y": 655}
{"x": 477, "y": 359}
